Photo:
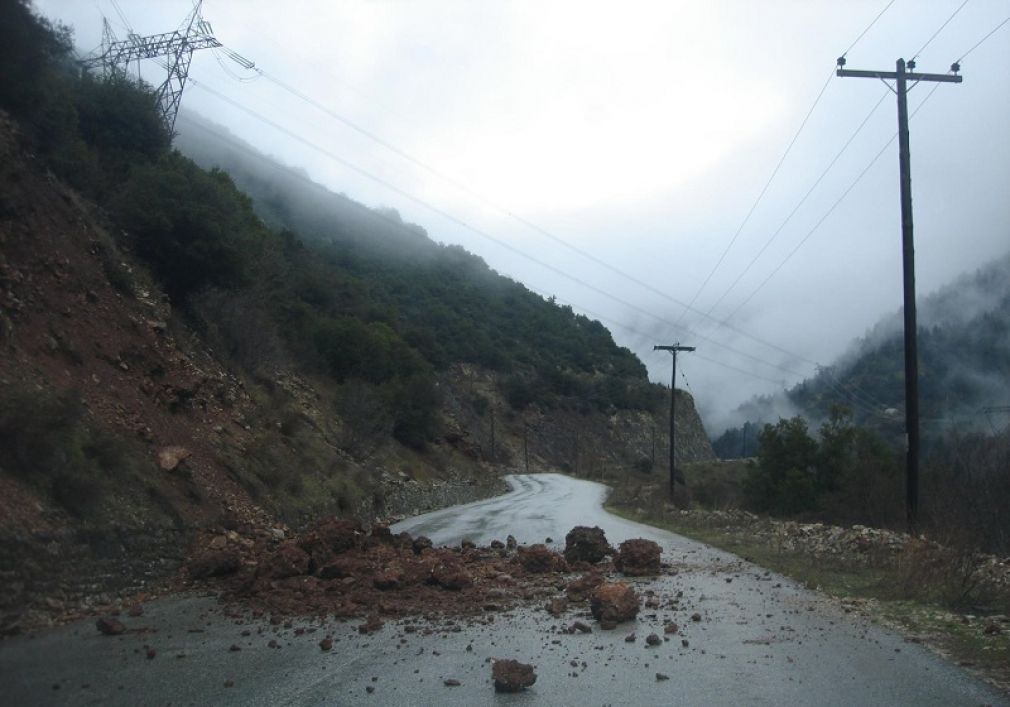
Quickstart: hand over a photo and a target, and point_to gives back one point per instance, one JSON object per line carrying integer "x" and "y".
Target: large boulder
{"x": 511, "y": 675}
{"x": 612, "y": 603}
{"x": 638, "y": 558}
{"x": 585, "y": 544}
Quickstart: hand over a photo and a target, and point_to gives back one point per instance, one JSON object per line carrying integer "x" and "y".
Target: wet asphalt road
{"x": 762, "y": 640}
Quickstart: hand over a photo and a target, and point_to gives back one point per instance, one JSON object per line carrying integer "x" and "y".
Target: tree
{"x": 782, "y": 481}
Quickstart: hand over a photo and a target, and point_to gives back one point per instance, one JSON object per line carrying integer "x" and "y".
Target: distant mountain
{"x": 964, "y": 366}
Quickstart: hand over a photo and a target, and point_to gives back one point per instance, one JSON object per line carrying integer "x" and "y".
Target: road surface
{"x": 762, "y": 640}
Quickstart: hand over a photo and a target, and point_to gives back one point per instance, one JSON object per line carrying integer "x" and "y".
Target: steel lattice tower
{"x": 176, "y": 47}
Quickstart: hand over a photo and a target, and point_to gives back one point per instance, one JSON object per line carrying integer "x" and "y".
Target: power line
{"x": 937, "y": 32}
{"x": 827, "y": 213}
{"x": 513, "y": 249}
{"x": 979, "y": 42}
{"x": 863, "y": 33}
{"x": 771, "y": 177}
{"x": 238, "y": 145}
{"x": 757, "y": 201}
{"x": 525, "y": 222}
{"x": 851, "y": 396}
{"x": 802, "y": 201}
{"x": 487, "y": 236}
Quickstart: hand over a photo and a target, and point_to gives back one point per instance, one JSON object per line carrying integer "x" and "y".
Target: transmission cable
{"x": 940, "y": 29}
{"x": 979, "y": 42}
{"x": 575, "y": 249}
{"x": 482, "y": 233}
{"x": 829, "y": 211}
{"x": 799, "y": 204}
{"x": 775, "y": 171}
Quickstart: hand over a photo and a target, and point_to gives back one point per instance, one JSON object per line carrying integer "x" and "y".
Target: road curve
{"x": 761, "y": 640}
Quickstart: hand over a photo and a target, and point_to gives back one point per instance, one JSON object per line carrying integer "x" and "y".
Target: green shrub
{"x": 47, "y": 441}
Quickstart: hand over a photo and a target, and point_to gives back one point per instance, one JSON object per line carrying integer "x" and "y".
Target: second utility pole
{"x": 901, "y": 78}
{"x": 673, "y": 410}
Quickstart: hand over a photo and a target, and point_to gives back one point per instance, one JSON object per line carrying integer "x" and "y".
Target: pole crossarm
{"x": 893, "y": 75}
{"x": 152, "y": 47}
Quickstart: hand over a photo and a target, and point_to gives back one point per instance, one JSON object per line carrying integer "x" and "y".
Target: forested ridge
{"x": 964, "y": 368}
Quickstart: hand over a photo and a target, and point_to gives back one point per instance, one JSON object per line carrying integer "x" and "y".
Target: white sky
{"x": 642, "y": 133}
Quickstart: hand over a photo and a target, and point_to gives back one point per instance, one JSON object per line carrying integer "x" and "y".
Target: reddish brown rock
{"x": 538, "y": 559}
{"x": 585, "y": 544}
{"x": 638, "y": 558}
{"x": 110, "y": 626}
{"x": 326, "y": 644}
{"x": 612, "y": 603}
{"x": 214, "y": 564}
{"x": 512, "y": 676}
{"x": 581, "y": 589}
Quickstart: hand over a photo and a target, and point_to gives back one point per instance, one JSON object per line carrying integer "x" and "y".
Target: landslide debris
{"x": 338, "y": 568}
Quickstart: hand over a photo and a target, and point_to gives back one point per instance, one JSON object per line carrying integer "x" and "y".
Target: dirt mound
{"x": 584, "y": 544}
{"x": 638, "y": 558}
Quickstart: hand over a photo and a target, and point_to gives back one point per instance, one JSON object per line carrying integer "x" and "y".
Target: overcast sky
{"x": 641, "y": 133}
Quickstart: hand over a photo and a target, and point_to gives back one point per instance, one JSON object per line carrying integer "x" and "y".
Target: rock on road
{"x": 761, "y": 640}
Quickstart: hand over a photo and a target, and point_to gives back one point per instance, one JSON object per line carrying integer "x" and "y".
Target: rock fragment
{"x": 612, "y": 603}
{"x": 511, "y": 675}
{"x": 585, "y": 544}
{"x": 638, "y": 558}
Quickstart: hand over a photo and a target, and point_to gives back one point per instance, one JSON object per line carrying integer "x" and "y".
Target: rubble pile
{"x": 337, "y": 568}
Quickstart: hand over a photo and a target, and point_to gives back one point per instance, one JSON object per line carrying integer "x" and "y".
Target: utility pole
{"x": 674, "y": 476}
{"x": 901, "y": 77}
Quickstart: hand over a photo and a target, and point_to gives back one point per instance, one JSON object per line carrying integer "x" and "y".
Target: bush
{"x": 47, "y": 441}
{"x": 782, "y": 481}
{"x": 193, "y": 228}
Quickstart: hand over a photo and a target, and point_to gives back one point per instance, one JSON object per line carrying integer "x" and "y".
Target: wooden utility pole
{"x": 901, "y": 77}
{"x": 674, "y": 476}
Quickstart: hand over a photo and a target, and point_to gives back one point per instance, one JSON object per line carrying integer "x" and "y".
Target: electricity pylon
{"x": 175, "y": 47}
